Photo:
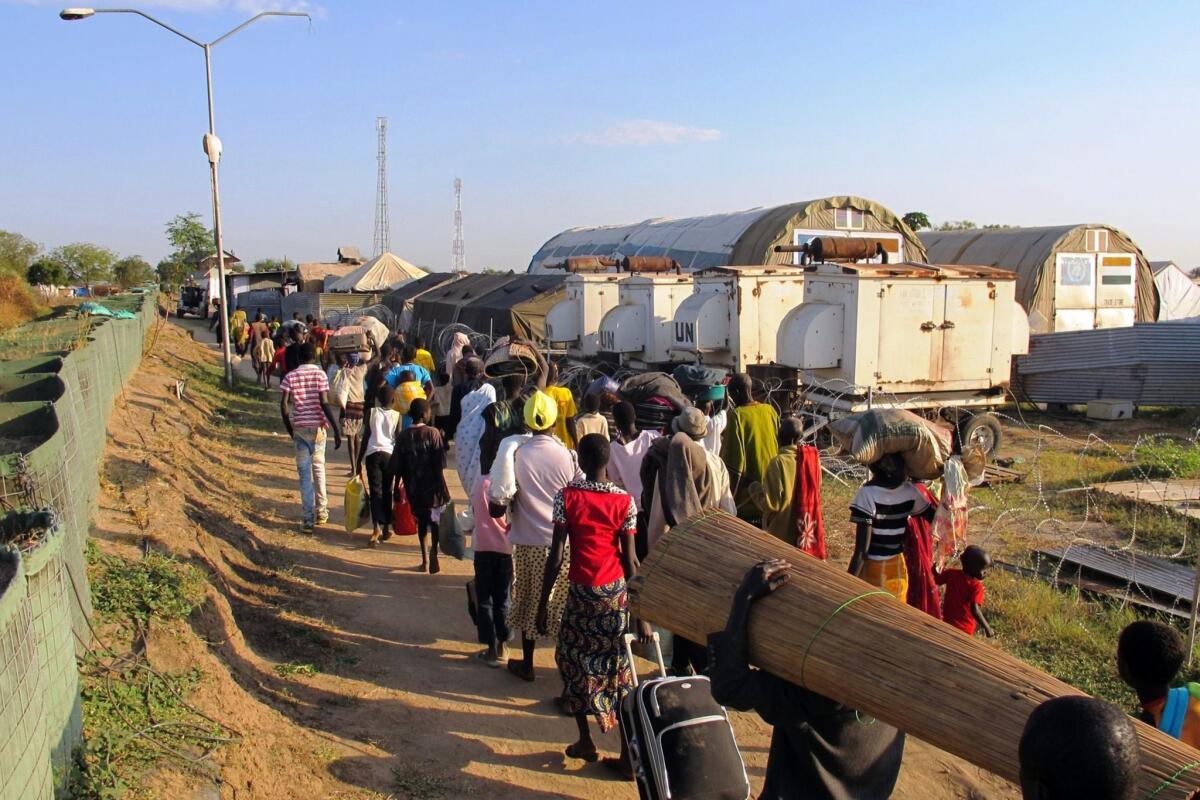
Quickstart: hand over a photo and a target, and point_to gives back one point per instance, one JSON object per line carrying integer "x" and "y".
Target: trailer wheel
{"x": 982, "y": 431}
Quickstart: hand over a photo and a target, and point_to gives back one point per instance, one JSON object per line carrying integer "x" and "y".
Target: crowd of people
{"x": 567, "y": 494}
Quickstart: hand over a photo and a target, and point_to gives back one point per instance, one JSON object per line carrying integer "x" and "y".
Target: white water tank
{"x": 733, "y": 316}
{"x": 913, "y": 334}
{"x": 575, "y": 320}
{"x": 639, "y": 327}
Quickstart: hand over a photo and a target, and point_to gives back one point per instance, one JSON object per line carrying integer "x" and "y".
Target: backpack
{"x": 1175, "y": 710}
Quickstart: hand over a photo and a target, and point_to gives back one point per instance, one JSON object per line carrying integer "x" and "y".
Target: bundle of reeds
{"x": 826, "y": 630}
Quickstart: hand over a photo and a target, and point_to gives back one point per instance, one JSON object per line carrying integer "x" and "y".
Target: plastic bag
{"x": 403, "y": 521}
{"x": 451, "y": 538}
{"x": 354, "y": 502}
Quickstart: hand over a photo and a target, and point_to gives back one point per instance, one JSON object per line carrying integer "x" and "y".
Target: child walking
{"x": 1149, "y": 655}
{"x": 493, "y": 577}
{"x": 962, "y": 604}
{"x": 418, "y": 461}
{"x": 375, "y": 461}
{"x": 599, "y": 520}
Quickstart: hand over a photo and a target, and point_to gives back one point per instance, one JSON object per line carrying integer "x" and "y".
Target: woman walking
{"x": 374, "y": 459}
{"x": 418, "y": 462}
{"x": 598, "y": 519}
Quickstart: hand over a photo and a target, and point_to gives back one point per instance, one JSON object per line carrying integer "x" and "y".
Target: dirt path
{"x": 395, "y": 704}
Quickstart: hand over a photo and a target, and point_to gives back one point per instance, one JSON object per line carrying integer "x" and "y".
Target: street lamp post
{"x": 212, "y": 145}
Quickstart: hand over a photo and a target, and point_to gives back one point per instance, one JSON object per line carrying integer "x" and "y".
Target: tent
{"x": 401, "y": 300}
{"x": 1178, "y": 296}
{"x": 443, "y": 305}
{"x": 379, "y": 274}
{"x": 1057, "y": 266}
{"x": 314, "y": 276}
{"x": 740, "y": 237}
{"x": 518, "y": 306}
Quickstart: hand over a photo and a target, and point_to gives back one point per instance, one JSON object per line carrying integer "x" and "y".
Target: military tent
{"x": 741, "y": 237}
{"x": 384, "y": 272}
{"x": 1178, "y": 296}
{"x": 442, "y": 305}
{"x": 401, "y": 301}
{"x": 518, "y": 306}
{"x": 1069, "y": 277}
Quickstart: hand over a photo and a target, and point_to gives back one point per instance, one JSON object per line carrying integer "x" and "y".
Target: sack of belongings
{"x": 870, "y": 435}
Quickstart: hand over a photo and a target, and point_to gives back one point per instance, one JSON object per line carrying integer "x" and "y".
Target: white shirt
{"x": 625, "y": 464}
{"x": 383, "y": 424}
{"x": 716, "y": 428}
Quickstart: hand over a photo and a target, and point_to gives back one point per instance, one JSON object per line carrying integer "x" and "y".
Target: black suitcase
{"x": 679, "y": 739}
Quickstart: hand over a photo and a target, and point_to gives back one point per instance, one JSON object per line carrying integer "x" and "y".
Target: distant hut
{"x": 1069, "y": 277}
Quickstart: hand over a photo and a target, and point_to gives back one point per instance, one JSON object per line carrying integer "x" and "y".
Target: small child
{"x": 962, "y": 605}
{"x": 1149, "y": 655}
{"x": 591, "y": 420}
{"x": 493, "y": 577}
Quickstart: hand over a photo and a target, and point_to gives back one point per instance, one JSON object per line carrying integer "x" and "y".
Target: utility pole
{"x": 383, "y": 236}
{"x": 460, "y": 248}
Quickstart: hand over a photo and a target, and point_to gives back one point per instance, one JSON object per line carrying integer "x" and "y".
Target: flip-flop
{"x": 591, "y": 756}
{"x": 518, "y": 668}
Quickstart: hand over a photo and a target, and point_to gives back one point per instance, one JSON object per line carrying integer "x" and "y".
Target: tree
{"x": 189, "y": 238}
{"x": 132, "y": 271}
{"x": 171, "y": 272}
{"x": 85, "y": 263}
{"x": 16, "y": 253}
{"x": 273, "y": 265}
{"x": 917, "y": 220}
{"x": 956, "y": 225}
{"x": 46, "y": 272}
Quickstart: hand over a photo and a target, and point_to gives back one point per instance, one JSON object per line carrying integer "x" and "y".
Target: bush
{"x": 134, "y": 591}
{"x": 17, "y": 305}
{"x": 1169, "y": 458}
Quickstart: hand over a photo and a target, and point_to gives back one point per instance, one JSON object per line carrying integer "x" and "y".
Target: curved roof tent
{"x": 741, "y": 237}
{"x": 1035, "y": 254}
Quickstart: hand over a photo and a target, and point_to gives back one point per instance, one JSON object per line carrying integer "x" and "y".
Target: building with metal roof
{"x": 741, "y": 237}
{"x": 1069, "y": 277}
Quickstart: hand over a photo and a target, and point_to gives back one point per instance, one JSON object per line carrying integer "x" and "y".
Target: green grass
{"x": 1062, "y": 632}
{"x": 292, "y": 668}
{"x": 417, "y": 785}
{"x": 1169, "y": 458}
{"x": 131, "y": 592}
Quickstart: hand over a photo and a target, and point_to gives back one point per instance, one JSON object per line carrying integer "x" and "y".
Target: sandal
{"x": 517, "y": 667}
{"x": 488, "y": 660}
{"x": 590, "y": 756}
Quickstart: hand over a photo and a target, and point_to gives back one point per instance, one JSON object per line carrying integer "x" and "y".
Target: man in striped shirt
{"x": 306, "y": 414}
{"x": 880, "y": 512}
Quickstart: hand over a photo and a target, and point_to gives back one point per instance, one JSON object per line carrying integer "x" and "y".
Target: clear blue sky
{"x": 559, "y": 114}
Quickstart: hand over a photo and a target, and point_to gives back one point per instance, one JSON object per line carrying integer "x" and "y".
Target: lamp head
{"x": 71, "y": 14}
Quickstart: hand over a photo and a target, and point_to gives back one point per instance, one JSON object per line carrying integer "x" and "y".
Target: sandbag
{"x": 355, "y": 501}
{"x": 870, "y": 435}
{"x": 452, "y": 541}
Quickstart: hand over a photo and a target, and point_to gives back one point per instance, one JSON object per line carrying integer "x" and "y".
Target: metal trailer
{"x": 938, "y": 339}
{"x": 733, "y": 316}
{"x": 638, "y": 330}
{"x": 574, "y": 322}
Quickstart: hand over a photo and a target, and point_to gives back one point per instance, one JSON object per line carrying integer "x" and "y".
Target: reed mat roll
{"x": 822, "y": 630}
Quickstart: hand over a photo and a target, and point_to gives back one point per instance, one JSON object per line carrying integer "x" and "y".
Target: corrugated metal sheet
{"x": 1148, "y": 364}
{"x": 269, "y": 301}
{"x": 1144, "y": 573}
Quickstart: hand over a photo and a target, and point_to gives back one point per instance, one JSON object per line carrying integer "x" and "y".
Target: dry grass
{"x": 17, "y": 305}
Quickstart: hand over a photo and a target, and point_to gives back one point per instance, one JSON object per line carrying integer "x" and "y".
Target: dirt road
{"x": 393, "y": 704}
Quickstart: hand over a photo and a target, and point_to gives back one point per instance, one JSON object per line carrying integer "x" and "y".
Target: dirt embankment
{"x": 347, "y": 673}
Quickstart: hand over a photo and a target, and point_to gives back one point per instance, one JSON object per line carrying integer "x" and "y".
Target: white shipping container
{"x": 575, "y": 320}
{"x": 732, "y": 318}
{"x": 639, "y": 328}
{"x": 911, "y": 334}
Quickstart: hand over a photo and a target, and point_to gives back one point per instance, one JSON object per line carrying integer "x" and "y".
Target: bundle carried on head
{"x": 700, "y": 384}
{"x": 870, "y": 435}
{"x": 656, "y": 399}
{"x": 511, "y": 356}
{"x": 374, "y": 328}
{"x": 350, "y": 339}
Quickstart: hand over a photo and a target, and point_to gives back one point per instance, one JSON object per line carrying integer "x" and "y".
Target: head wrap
{"x": 541, "y": 411}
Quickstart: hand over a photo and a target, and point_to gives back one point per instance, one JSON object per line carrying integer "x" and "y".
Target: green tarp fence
{"x": 59, "y": 378}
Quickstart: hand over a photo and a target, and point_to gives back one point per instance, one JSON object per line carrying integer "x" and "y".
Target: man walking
{"x": 306, "y": 414}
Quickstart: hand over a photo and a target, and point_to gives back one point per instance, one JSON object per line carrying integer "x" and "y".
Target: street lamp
{"x": 212, "y": 145}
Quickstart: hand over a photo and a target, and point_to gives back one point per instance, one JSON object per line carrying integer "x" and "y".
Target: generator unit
{"x": 639, "y": 328}
{"x": 574, "y": 322}
{"x": 733, "y": 316}
{"x": 909, "y": 335}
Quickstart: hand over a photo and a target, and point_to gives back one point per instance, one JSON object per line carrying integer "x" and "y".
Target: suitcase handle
{"x": 662, "y": 665}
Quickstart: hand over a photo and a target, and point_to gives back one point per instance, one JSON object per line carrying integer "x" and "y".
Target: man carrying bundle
{"x": 820, "y": 750}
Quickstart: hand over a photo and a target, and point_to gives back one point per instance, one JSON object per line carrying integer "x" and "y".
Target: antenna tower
{"x": 383, "y": 236}
{"x": 460, "y": 248}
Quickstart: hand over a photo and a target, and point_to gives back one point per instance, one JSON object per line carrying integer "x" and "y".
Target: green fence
{"x": 59, "y": 378}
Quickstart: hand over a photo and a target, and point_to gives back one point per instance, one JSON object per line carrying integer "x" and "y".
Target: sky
{"x": 563, "y": 114}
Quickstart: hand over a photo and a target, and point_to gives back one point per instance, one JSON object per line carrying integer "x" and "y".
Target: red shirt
{"x": 596, "y": 516}
{"x": 304, "y": 385}
{"x": 961, "y": 591}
